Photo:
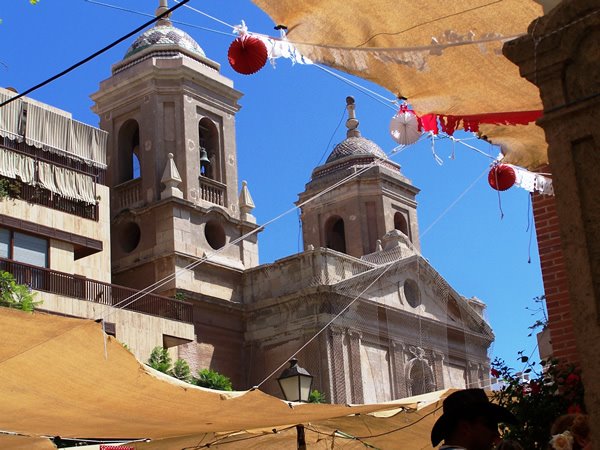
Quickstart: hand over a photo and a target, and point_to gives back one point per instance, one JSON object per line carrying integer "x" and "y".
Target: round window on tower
{"x": 215, "y": 234}
{"x": 411, "y": 293}
{"x": 129, "y": 235}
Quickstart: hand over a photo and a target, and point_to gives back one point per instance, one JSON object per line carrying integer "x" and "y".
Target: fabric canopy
{"x": 57, "y": 380}
{"x": 444, "y": 57}
{"x": 408, "y": 426}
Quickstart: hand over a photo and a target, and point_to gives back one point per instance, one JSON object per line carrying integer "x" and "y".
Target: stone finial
{"x": 378, "y": 246}
{"x": 162, "y": 8}
{"x": 352, "y": 122}
{"x": 171, "y": 179}
{"x": 396, "y": 238}
{"x": 246, "y": 204}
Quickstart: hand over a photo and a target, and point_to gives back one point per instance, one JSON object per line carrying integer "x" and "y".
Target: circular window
{"x": 129, "y": 236}
{"x": 215, "y": 234}
{"x": 411, "y": 293}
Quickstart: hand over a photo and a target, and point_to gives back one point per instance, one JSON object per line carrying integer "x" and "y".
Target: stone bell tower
{"x": 173, "y": 168}
{"x": 377, "y": 205}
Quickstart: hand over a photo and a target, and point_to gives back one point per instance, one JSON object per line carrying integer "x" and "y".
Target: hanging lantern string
{"x": 529, "y": 224}
{"x": 374, "y": 95}
{"x": 481, "y": 152}
{"x": 498, "y": 191}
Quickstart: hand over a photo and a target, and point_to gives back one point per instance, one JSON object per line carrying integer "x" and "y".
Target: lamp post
{"x": 295, "y": 383}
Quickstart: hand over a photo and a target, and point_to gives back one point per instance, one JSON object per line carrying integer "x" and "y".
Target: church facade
{"x": 360, "y": 307}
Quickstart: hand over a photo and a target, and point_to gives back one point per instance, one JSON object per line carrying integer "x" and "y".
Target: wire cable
{"x": 178, "y": 22}
{"x": 94, "y": 55}
{"x": 206, "y": 15}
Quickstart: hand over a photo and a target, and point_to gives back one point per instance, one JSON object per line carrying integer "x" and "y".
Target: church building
{"x": 362, "y": 310}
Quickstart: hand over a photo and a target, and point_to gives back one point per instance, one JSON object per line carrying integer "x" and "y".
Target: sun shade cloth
{"x": 444, "y": 57}
{"x": 56, "y": 381}
{"x": 408, "y": 426}
{"x": 52, "y": 130}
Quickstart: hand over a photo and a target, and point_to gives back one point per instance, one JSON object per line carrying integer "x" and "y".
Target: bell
{"x": 204, "y": 161}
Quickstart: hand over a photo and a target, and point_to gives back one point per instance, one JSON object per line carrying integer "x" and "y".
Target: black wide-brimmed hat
{"x": 468, "y": 404}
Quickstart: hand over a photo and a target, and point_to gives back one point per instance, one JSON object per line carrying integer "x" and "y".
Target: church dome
{"x": 356, "y": 146}
{"x": 165, "y": 36}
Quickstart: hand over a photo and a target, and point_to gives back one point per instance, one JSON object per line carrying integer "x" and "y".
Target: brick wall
{"x": 554, "y": 276}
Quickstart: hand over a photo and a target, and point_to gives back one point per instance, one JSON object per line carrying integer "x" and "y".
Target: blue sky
{"x": 289, "y": 114}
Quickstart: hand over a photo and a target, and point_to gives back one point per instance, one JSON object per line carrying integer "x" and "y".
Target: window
{"x": 400, "y": 223}
{"x": 208, "y": 138}
{"x": 335, "y": 235}
{"x": 24, "y": 248}
{"x": 129, "y": 151}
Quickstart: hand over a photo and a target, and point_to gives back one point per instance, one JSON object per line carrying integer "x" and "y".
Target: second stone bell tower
{"x": 172, "y": 169}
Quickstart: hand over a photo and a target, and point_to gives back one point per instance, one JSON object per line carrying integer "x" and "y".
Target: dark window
{"x": 215, "y": 234}
{"x": 400, "y": 223}
{"x": 335, "y": 235}
{"x": 129, "y": 151}
{"x": 208, "y": 137}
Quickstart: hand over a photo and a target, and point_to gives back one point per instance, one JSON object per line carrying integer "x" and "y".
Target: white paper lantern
{"x": 404, "y": 128}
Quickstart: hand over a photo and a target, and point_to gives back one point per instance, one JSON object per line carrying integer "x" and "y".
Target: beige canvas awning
{"x": 57, "y": 380}
{"x": 444, "y": 57}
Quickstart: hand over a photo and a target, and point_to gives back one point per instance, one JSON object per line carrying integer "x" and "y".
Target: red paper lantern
{"x": 247, "y": 54}
{"x": 502, "y": 177}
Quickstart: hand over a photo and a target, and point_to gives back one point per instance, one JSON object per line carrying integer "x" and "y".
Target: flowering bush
{"x": 551, "y": 390}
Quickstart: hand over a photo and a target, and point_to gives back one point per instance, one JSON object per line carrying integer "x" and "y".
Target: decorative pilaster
{"x": 397, "y": 350}
{"x": 438, "y": 370}
{"x": 336, "y": 357}
{"x": 356, "y": 388}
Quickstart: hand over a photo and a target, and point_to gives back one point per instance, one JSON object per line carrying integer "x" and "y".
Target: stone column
{"x": 472, "y": 375}
{"x": 438, "y": 370}
{"x": 560, "y": 56}
{"x": 337, "y": 382}
{"x": 356, "y": 387}
{"x": 397, "y": 350}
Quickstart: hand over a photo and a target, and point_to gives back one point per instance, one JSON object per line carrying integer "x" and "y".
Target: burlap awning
{"x": 444, "y": 57}
{"x": 57, "y": 381}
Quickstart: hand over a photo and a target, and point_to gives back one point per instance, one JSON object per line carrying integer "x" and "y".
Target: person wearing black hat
{"x": 469, "y": 421}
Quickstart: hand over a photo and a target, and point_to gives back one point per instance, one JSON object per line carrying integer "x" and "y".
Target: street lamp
{"x": 295, "y": 382}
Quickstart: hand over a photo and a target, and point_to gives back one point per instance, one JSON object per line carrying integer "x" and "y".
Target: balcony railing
{"x": 37, "y": 195}
{"x": 81, "y": 288}
{"x": 212, "y": 191}
{"x": 127, "y": 195}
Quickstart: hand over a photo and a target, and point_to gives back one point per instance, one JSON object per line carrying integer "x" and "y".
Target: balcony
{"x": 37, "y": 195}
{"x": 127, "y": 195}
{"x": 81, "y": 288}
{"x": 213, "y": 191}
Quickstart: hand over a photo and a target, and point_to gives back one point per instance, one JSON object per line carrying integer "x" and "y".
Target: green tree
{"x": 316, "y": 396}
{"x": 181, "y": 371}
{"x": 15, "y": 295}
{"x": 160, "y": 360}
{"x": 211, "y": 379}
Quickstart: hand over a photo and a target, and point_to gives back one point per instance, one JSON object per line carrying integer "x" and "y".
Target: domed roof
{"x": 356, "y": 145}
{"x": 165, "y": 35}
